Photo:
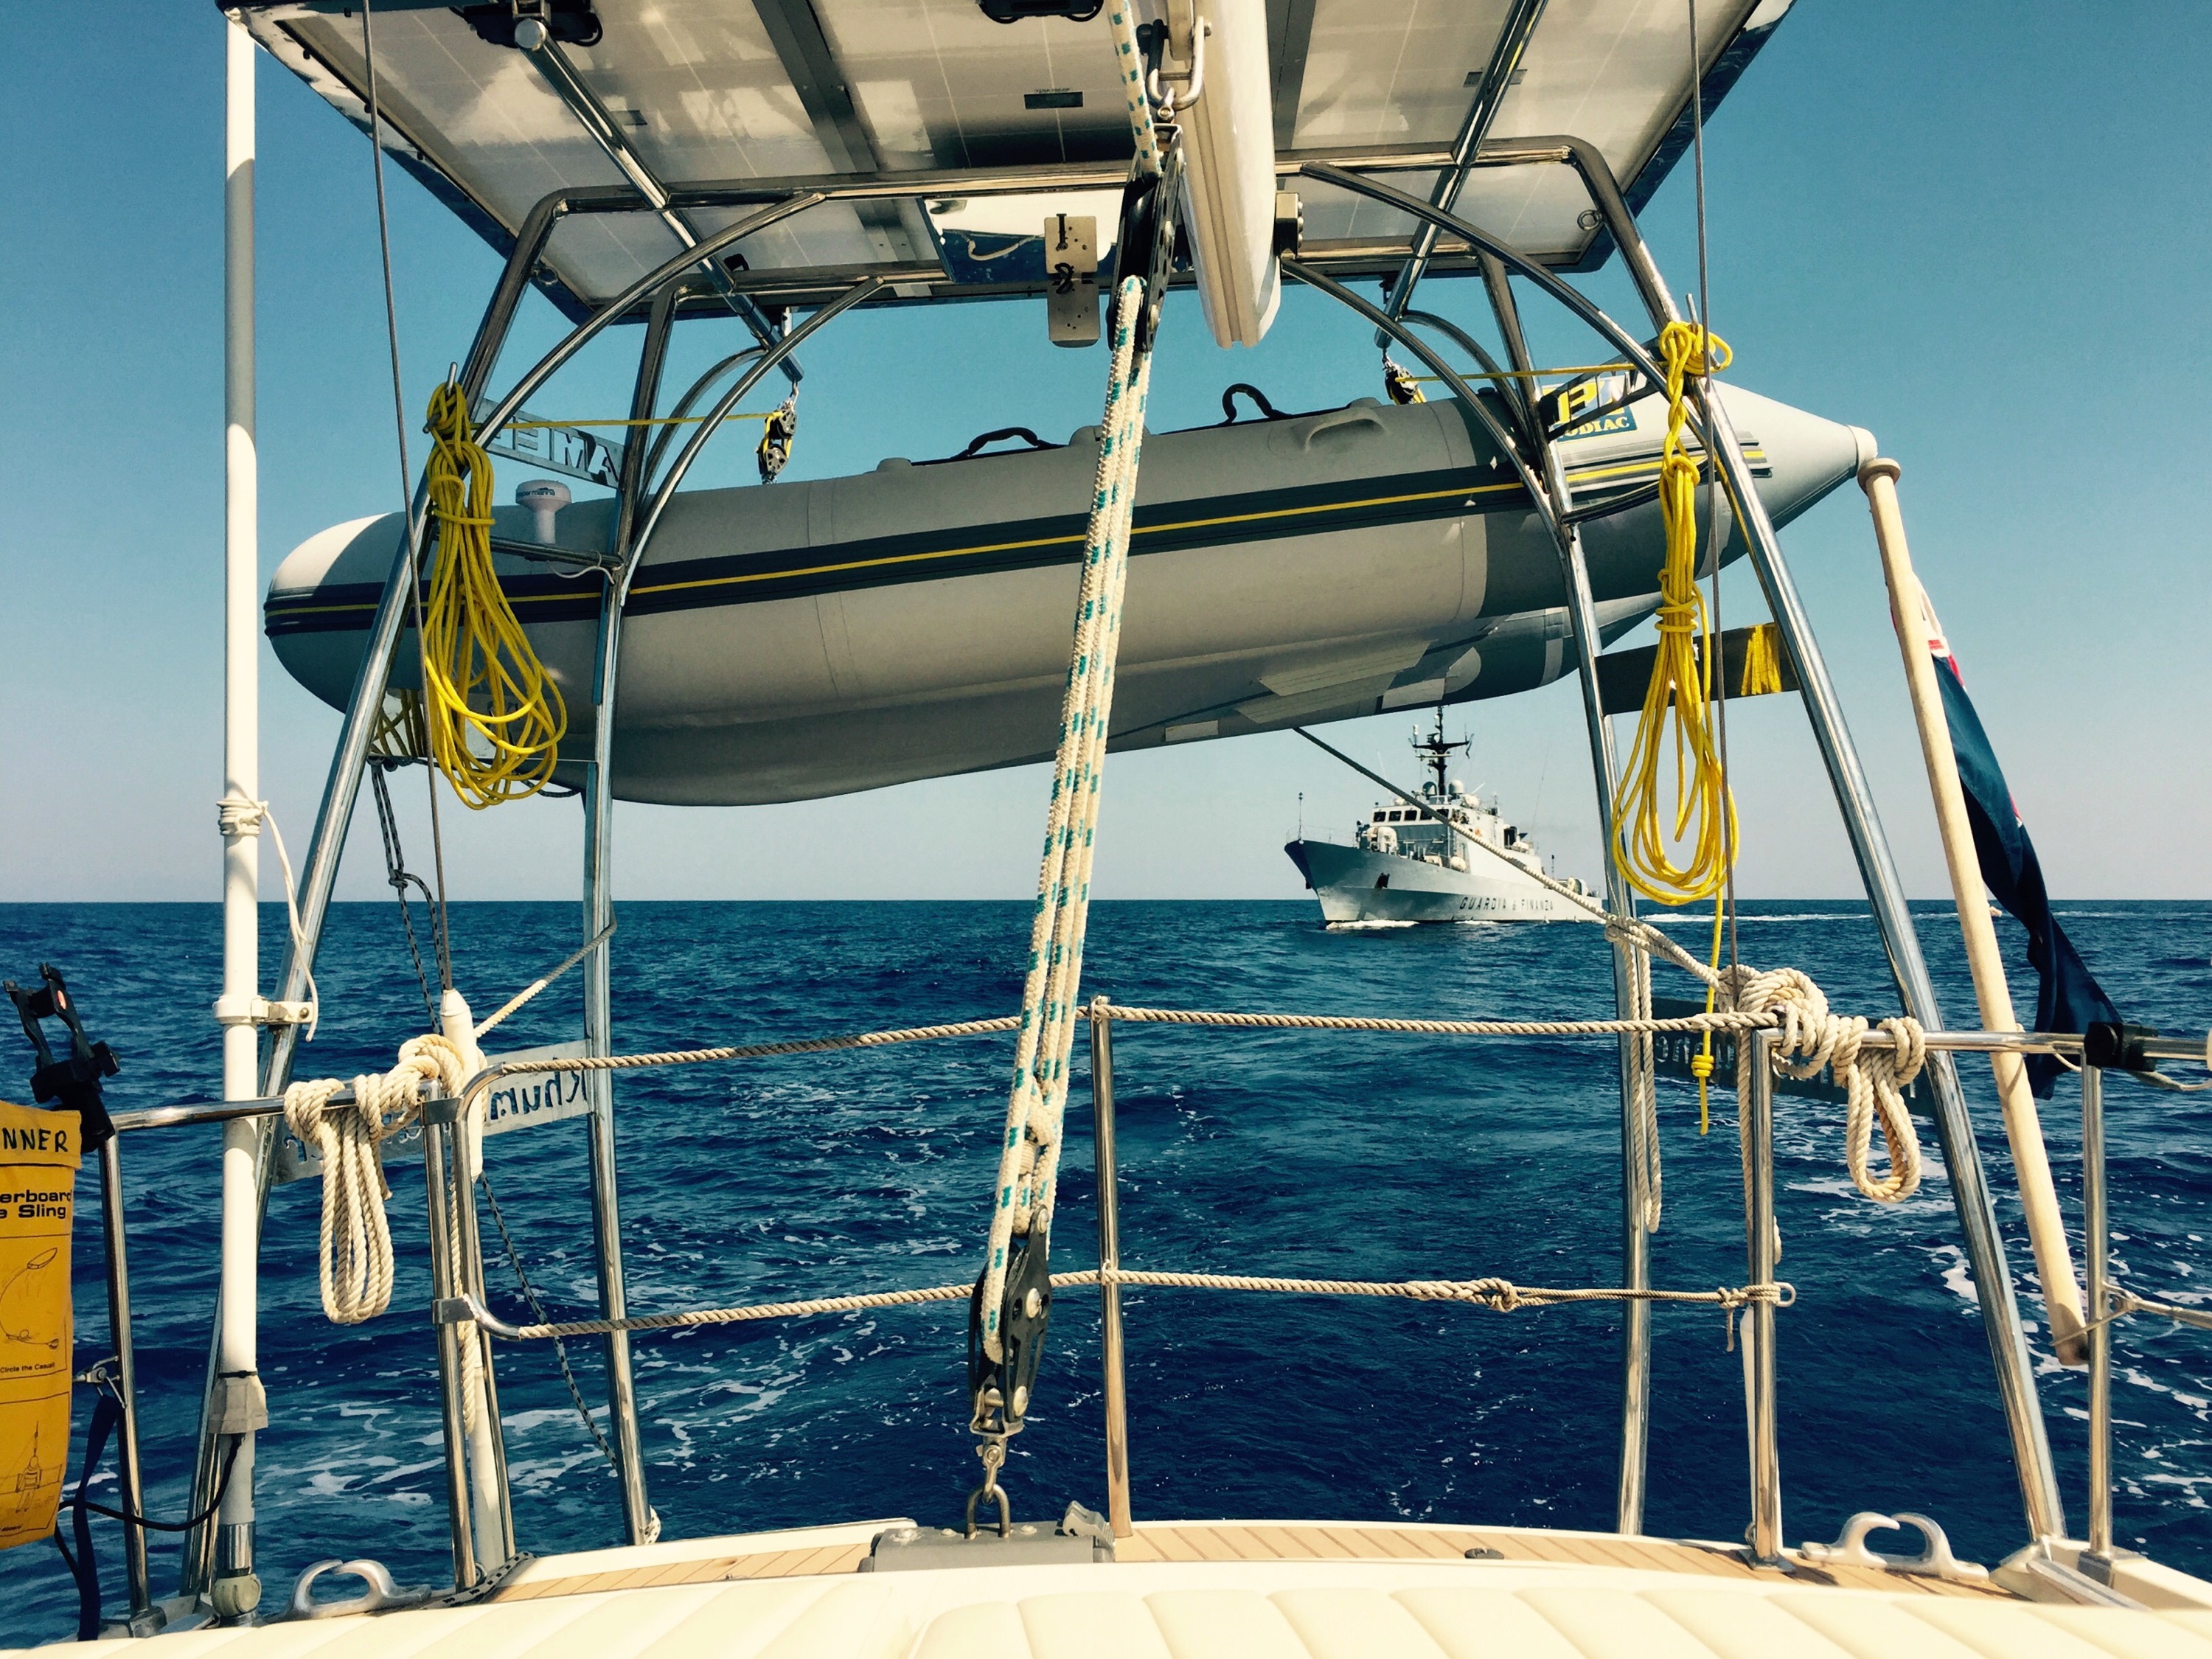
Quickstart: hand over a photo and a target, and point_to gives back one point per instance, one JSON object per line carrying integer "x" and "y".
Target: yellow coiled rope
{"x": 1682, "y": 688}
{"x": 1681, "y": 692}
{"x": 495, "y": 718}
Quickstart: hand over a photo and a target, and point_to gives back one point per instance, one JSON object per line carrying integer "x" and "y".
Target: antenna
{"x": 1436, "y": 752}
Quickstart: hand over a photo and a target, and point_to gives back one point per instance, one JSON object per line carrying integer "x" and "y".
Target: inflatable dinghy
{"x": 816, "y": 638}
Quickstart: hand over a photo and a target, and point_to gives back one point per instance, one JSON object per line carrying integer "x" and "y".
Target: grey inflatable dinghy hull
{"x": 816, "y": 638}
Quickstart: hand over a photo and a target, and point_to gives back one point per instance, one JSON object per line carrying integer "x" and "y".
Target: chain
{"x": 396, "y": 873}
{"x": 537, "y": 1307}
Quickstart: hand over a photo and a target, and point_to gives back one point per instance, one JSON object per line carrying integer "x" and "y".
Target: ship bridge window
{"x": 1379, "y": 817}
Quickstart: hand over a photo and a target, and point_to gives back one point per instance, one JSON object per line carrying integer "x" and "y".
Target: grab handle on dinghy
{"x": 977, "y": 445}
{"x": 1337, "y": 419}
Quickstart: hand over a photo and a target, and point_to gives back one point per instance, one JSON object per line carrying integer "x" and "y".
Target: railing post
{"x": 2097, "y": 1225}
{"x": 1109, "y": 1262}
{"x": 1757, "y": 1107}
{"x": 493, "y": 1501}
{"x": 442, "y": 1285}
{"x": 599, "y": 917}
{"x": 126, "y": 1367}
{"x": 1885, "y": 890}
{"x": 1630, "y": 982}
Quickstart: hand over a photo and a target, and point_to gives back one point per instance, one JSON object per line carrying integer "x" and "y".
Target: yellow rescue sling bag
{"x": 38, "y": 1182}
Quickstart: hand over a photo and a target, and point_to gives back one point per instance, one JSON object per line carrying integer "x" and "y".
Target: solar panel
{"x": 943, "y": 105}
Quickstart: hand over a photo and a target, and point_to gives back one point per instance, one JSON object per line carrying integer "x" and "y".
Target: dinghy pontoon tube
{"x": 845, "y": 633}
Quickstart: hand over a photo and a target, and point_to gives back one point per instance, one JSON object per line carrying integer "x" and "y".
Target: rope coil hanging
{"x": 1812, "y": 1040}
{"x": 356, "y": 1239}
{"x": 1681, "y": 689}
{"x": 494, "y": 716}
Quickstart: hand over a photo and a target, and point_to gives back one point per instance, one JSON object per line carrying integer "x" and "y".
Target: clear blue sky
{"x": 1980, "y": 230}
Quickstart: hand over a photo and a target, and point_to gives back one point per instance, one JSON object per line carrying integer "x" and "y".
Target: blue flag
{"x": 2067, "y": 996}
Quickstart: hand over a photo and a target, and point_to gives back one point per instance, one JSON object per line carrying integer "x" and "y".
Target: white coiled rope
{"x": 1812, "y": 1040}
{"x": 356, "y": 1241}
{"x": 1028, "y": 1157}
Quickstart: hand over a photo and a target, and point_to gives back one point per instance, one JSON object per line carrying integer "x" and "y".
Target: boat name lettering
{"x": 563, "y": 449}
{"x": 1571, "y": 401}
{"x": 551, "y": 1091}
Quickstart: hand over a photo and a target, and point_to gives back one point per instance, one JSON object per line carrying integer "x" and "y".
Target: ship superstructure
{"x": 1443, "y": 855}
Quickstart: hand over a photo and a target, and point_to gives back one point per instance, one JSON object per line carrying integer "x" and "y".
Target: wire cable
{"x": 406, "y": 472}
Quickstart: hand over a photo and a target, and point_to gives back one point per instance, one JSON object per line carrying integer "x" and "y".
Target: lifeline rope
{"x": 1029, "y": 1156}
{"x": 1498, "y": 1295}
{"x": 356, "y": 1240}
{"x": 235, "y": 815}
{"x": 481, "y": 678}
{"x": 1784, "y": 999}
{"x": 1682, "y": 688}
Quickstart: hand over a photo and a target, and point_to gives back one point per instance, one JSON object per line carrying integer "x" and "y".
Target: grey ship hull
{"x": 1356, "y": 885}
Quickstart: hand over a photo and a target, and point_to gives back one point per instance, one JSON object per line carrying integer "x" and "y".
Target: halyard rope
{"x": 1499, "y": 1295}
{"x": 1029, "y": 1156}
{"x": 356, "y": 1241}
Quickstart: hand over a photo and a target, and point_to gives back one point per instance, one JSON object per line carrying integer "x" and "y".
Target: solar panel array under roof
{"x": 928, "y": 94}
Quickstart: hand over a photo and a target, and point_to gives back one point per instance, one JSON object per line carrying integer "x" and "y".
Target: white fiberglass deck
{"x": 1182, "y": 1590}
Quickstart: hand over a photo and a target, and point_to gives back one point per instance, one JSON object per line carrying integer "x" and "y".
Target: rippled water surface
{"x": 1275, "y": 1152}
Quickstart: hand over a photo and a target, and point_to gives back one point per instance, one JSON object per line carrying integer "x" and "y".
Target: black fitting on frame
{"x": 572, "y": 22}
{"x": 71, "y": 1083}
{"x": 2114, "y": 1046}
{"x": 1013, "y": 11}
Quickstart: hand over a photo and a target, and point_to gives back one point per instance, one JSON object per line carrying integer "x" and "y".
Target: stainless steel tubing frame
{"x": 633, "y": 533}
{"x": 367, "y": 700}
{"x": 598, "y": 913}
{"x": 342, "y": 785}
{"x": 334, "y": 814}
{"x": 1114, "y": 1387}
{"x": 1512, "y": 43}
{"x": 1637, "y": 1365}
{"x": 1759, "y": 1356}
{"x": 470, "y": 1272}
{"x": 126, "y": 1367}
{"x": 1885, "y": 890}
{"x": 2097, "y": 1223}
{"x": 1985, "y": 1252}
{"x": 666, "y": 490}
{"x": 442, "y": 1277}
{"x": 1620, "y": 900}
{"x": 607, "y": 133}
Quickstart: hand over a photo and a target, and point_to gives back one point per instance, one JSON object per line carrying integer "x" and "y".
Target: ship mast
{"x": 1435, "y": 753}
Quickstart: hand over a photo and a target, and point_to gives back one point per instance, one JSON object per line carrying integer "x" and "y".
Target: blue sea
{"x": 1264, "y": 1153}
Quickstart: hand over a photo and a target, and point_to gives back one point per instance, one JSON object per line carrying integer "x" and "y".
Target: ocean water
{"x": 1272, "y": 1153}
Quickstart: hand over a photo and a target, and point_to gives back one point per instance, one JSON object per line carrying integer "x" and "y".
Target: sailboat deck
{"x": 827, "y": 1551}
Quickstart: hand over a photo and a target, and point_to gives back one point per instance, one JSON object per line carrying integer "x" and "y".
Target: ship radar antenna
{"x": 1435, "y": 753}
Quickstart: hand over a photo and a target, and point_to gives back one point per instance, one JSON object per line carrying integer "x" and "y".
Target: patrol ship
{"x": 1447, "y": 857}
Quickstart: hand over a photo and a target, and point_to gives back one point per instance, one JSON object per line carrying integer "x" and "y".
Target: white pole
{"x": 236, "y": 1591}
{"x": 1915, "y": 622}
